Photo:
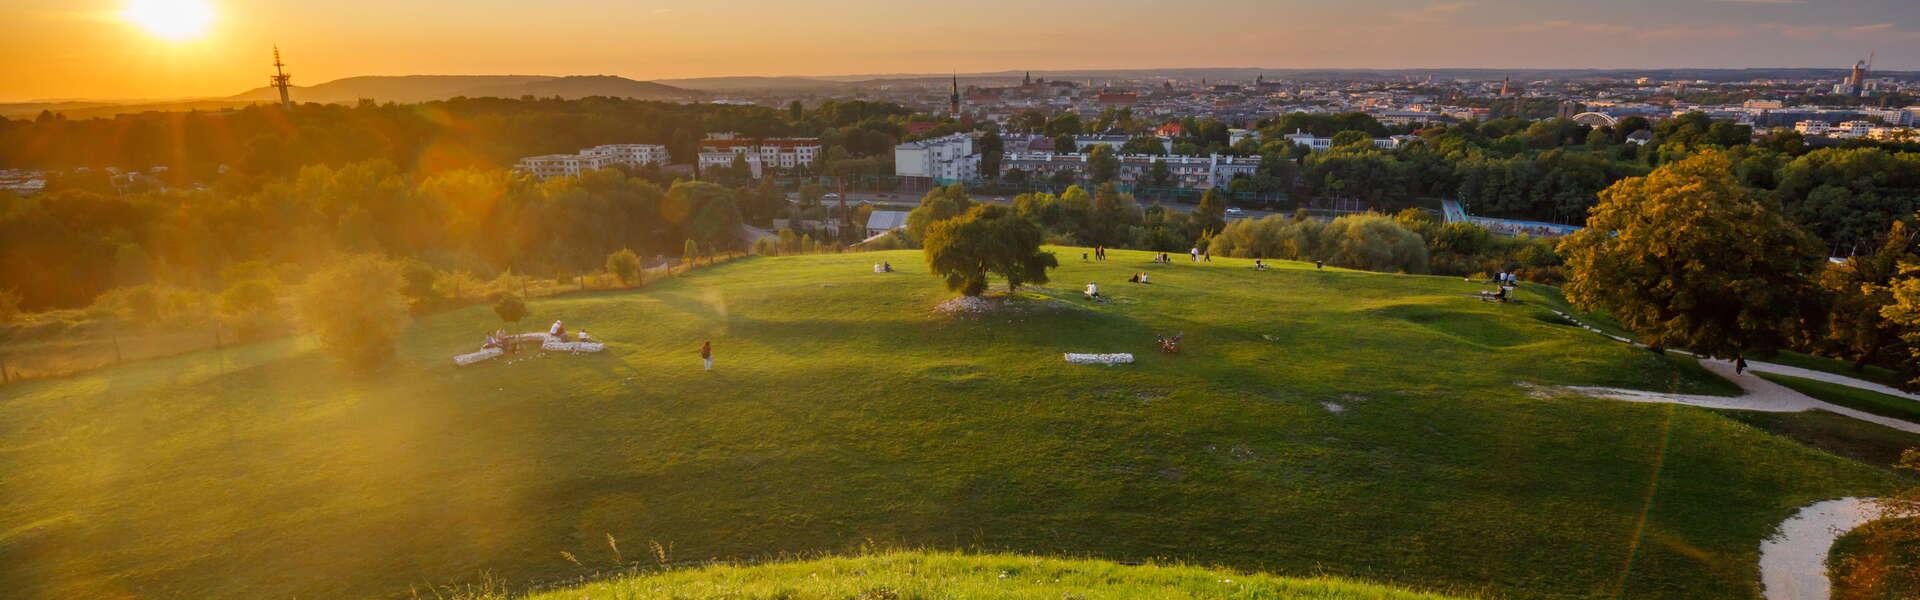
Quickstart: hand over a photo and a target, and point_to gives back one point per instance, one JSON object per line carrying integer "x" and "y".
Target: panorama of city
{"x": 905, "y": 300}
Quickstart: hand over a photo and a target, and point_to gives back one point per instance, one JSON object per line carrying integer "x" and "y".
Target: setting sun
{"x": 170, "y": 19}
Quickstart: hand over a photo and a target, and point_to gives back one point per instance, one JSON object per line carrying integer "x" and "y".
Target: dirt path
{"x": 1793, "y": 563}
{"x": 1834, "y": 378}
{"x": 1761, "y": 395}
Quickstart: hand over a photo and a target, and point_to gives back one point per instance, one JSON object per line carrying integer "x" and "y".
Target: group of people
{"x": 1140, "y": 277}
{"x": 883, "y": 267}
{"x": 1197, "y": 255}
{"x": 559, "y": 331}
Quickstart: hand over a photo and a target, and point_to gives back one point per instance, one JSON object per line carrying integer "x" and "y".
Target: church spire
{"x": 954, "y": 100}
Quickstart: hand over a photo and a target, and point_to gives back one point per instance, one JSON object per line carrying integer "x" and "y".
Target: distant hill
{"x": 755, "y": 84}
{"x": 422, "y": 88}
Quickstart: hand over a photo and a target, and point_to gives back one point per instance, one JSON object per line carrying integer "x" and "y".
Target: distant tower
{"x": 1028, "y": 80}
{"x": 953, "y": 101}
{"x": 281, "y": 80}
{"x": 1506, "y": 84}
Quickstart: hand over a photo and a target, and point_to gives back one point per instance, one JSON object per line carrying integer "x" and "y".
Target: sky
{"x": 70, "y": 49}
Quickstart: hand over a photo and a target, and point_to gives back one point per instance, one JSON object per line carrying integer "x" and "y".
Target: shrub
{"x": 511, "y": 308}
{"x": 251, "y": 307}
{"x": 355, "y": 308}
{"x": 624, "y": 264}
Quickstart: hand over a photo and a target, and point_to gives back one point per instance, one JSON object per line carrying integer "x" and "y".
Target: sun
{"x": 172, "y": 20}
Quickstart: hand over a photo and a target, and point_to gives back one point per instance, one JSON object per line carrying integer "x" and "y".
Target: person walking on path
{"x": 706, "y": 354}
{"x": 1739, "y": 365}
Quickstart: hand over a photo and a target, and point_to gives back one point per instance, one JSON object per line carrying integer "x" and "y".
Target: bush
{"x": 511, "y": 308}
{"x": 1368, "y": 241}
{"x": 9, "y": 306}
{"x": 624, "y": 264}
{"x": 356, "y": 309}
{"x": 251, "y": 307}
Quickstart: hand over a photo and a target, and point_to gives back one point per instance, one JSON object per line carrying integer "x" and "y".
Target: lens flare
{"x": 172, "y": 20}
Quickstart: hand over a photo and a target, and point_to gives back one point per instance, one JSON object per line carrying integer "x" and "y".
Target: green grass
{"x": 975, "y": 577}
{"x": 1850, "y": 397}
{"x": 1845, "y": 436}
{"x": 844, "y": 412}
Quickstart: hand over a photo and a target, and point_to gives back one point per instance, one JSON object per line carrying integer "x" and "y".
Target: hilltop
{"x": 975, "y": 577}
{"x": 1388, "y": 428}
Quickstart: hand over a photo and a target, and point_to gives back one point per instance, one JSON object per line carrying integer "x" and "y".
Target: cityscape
{"x": 889, "y": 300}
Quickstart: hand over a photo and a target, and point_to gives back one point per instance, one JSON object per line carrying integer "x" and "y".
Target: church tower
{"x": 953, "y": 101}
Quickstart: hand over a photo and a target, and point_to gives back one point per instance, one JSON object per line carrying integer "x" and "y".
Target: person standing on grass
{"x": 706, "y": 353}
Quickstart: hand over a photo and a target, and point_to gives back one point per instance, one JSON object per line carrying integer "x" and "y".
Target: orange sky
{"x": 84, "y": 49}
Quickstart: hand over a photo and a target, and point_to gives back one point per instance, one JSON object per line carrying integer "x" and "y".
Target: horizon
{"x": 178, "y": 49}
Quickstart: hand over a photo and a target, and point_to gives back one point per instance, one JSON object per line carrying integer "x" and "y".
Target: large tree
{"x": 1102, "y": 165}
{"x": 1859, "y": 291}
{"x": 1211, "y": 213}
{"x": 356, "y": 309}
{"x": 1686, "y": 257}
{"x": 988, "y": 239}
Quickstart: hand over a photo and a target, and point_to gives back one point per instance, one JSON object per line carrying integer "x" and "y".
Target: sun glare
{"x": 172, "y": 20}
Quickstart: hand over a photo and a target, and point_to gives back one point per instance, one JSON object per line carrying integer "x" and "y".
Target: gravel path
{"x": 1761, "y": 395}
{"x": 1793, "y": 563}
{"x": 1834, "y": 378}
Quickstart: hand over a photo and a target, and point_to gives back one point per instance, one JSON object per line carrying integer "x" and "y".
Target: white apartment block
{"x": 945, "y": 159}
{"x": 1811, "y": 127}
{"x": 1316, "y": 143}
{"x": 597, "y": 157}
{"x": 719, "y": 150}
{"x": 1190, "y": 172}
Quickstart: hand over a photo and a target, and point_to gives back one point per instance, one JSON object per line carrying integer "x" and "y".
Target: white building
{"x": 945, "y": 159}
{"x": 1852, "y": 129}
{"x": 1811, "y": 127}
{"x": 1317, "y": 143}
{"x": 597, "y": 157}
{"x": 719, "y": 150}
{"x": 1188, "y": 172}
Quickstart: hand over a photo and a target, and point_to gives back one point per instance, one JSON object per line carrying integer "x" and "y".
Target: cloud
{"x": 1874, "y": 27}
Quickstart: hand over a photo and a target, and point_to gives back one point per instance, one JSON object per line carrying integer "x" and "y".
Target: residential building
{"x": 719, "y": 150}
{"x": 944, "y": 160}
{"x": 597, "y": 157}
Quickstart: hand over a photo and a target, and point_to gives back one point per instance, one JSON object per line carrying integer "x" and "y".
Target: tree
{"x": 1860, "y": 290}
{"x": 1159, "y": 175}
{"x": 992, "y": 148}
{"x": 250, "y": 307}
{"x": 939, "y": 204}
{"x": 511, "y": 308}
{"x": 1211, "y": 213}
{"x": 624, "y": 264}
{"x": 1905, "y": 311}
{"x": 355, "y": 308}
{"x": 988, "y": 239}
{"x": 1686, "y": 257}
{"x": 1102, "y": 165}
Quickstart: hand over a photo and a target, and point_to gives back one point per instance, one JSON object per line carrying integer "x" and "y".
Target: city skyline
{"x": 215, "y": 48}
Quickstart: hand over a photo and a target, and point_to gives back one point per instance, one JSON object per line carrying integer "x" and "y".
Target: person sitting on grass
{"x": 1134, "y": 278}
{"x": 1143, "y": 277}
{"x": 558, "y": 330}
{"x": 886, "y": 267}
{"x": 1259, "y": 265}
{"x": 493, "y": 341}
{"x": 584, "y": 338}
{"x": 1093, "y": 291}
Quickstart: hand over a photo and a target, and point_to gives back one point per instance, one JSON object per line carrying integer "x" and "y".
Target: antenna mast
{"x": 281, "y": 80}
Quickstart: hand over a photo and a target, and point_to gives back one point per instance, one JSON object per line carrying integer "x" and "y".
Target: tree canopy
{"x": 988, "y": 239}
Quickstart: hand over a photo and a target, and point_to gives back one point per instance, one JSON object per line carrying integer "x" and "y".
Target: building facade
{"x": 597, "y": 157}
{"x": 719, "y": 150}
{"x": 944, "y": 160}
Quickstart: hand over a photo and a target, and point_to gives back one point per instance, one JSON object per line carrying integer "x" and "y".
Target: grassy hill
{"x": 971, "y": 577}
{"x": 1320, "y": 422}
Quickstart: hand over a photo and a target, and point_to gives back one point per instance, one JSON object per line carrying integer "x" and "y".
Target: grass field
{"x": 974, "y": 577}
{"x": 1319, "y": 422}
{"x": 1850, "y": 397}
